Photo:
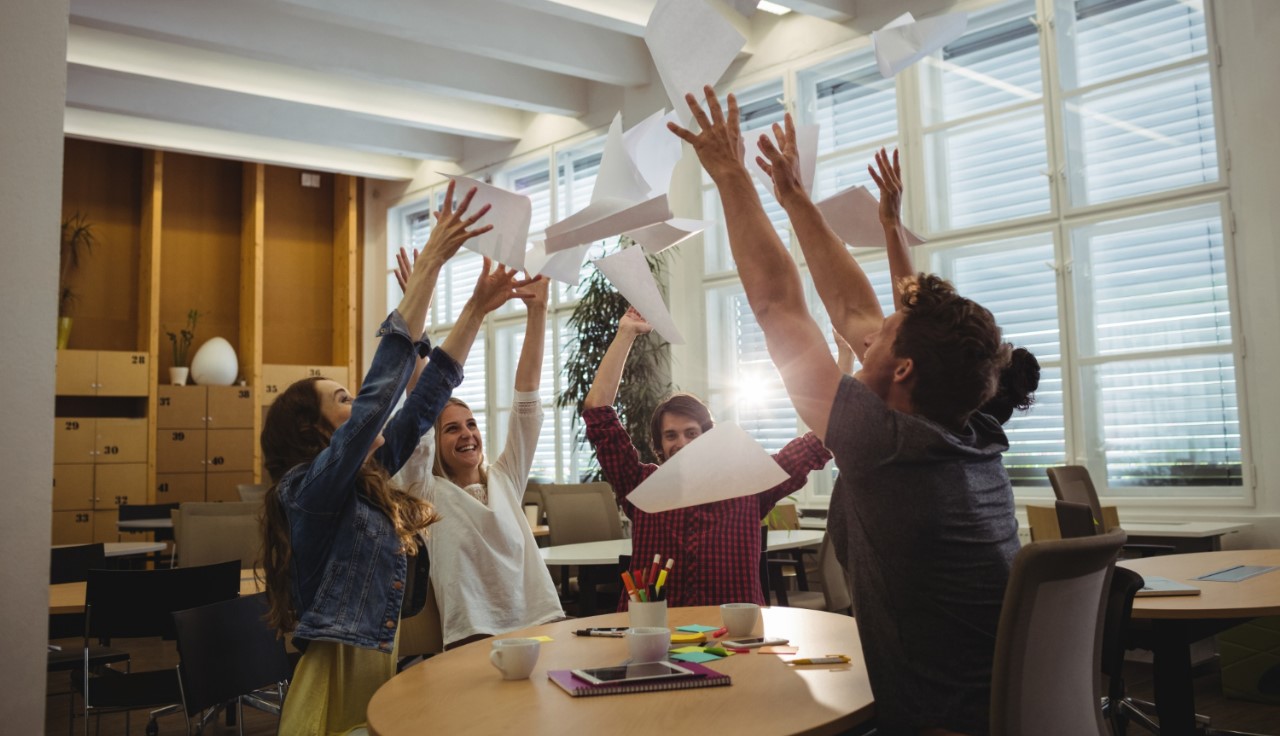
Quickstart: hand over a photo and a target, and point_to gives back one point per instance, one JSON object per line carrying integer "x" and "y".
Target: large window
{"x": 1063, "y": 159}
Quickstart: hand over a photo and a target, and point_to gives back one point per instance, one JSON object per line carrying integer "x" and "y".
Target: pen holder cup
{"x": 647, "y": 614}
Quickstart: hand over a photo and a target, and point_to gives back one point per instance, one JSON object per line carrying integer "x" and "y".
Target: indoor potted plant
{"x": 77, "y": 241}
{"x": 181, "y": 349}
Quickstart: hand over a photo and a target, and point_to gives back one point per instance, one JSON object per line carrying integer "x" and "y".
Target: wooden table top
{"x": 460, "y": 692}
{"x": 69, "y": 597}
{"x": 124, "y": 549}
{"x": 1257, "y": 596}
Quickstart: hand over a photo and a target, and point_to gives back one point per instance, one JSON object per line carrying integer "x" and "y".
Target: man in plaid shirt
{"x": 716, "y": 546}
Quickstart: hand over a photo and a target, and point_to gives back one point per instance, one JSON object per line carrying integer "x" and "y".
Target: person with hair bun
{"x": 716, "y": 546}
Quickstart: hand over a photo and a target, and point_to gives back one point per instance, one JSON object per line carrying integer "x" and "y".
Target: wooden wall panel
{"x": 104, "y": 182}
{"x": 298, "y": 269}
{"x": 201, "y": 240}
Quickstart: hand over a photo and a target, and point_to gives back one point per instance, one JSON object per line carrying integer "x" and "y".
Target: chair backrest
{"x": 1125, "y": 584}
{"x": 216, "y": 532}
{"x": 1075, "y": 520}
{"x": 72, "y": 564}
{"x": 252, "y": 492}
{"x": 581, "y": 512}
{"x": 1072, "y": 483}
{"x": 783, "y": 517}
{"x": 835, "y": 583}
{"x": 137, "y": 511}
{"x": 533, "y": 496}
{"x": 138, "y": 603}
{"x": 422, "y": 633}
{"x": 226, "y": 650}
{"x": 1046, "y": 676}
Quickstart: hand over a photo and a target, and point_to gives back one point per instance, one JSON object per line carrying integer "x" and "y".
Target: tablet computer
{"x": 632, "y": 673}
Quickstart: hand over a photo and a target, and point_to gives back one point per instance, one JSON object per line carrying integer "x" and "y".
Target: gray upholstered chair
{"x": 210, "y": 532}
{"x": 1046, "y": 678}
{"x": 835, "y": 595}
{"x": 252, "y": 492}
{"x": 581, "y": 512}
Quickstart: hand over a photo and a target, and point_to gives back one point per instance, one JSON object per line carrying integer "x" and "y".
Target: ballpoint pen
{"x": 611, "y": 633}
{"x": 829, "y": 659}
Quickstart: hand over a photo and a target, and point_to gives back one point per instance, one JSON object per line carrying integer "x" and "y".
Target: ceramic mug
{"x": 740, "y": 618}
{"x": 515, "y": 658}
{"x": 648, "y": 643}
{"x": 647, "y": 614}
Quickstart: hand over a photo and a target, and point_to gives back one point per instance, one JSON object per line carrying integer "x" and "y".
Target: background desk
{"x": 1177, "y": 621}
{"x": 460, "y": 692}
{"x": 124, "y": 549}
{"x": 69, "y": 597}
{"x": 608, "y": 551}
{"x": 1183, "y": 536}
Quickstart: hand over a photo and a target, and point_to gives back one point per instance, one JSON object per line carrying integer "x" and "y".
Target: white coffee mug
{"x": 740, "y": 618}
{"x": 647, "y": 614}
{"x": 648, "y": 643}
{"x": 515, "y": 658}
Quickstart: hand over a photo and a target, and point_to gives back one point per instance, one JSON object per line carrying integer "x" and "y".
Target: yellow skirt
{"x": 332, "y": 686}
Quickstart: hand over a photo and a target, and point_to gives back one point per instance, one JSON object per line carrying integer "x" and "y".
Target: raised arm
{"x": 604, "y": 389}
{"x": 895, "y": 238}
{"x": 844, "y": 353}
{"x": 769, "y": 276}
{"x": 842, "y": 285}
{"x": 453, "y": 228}
{"x": 493, "y": 289}
{"x": 529, "y": 369}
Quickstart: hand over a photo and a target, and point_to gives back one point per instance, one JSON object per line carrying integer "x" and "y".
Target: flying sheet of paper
{"x": 806, "y": 146}
{"x": 605, "y": 219}
{"x": 618, "y": 176}
{"x": 723, "y": 463}
{"x": 692, "y": 45}
{"x": 564, "y": 266}
{"x": 629, "y": 273}
{"x": 855, "y": 216}
{"x": 653, "y": 150}
{"x": 905, "y": 41}
{"x": 663, "y": 235}
{"x": 510, "y": 215}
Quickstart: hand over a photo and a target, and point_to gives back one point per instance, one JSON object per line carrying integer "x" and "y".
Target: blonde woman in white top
{"x": 488, "y": 576}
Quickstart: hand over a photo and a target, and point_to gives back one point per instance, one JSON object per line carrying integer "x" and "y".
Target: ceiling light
{"x": 774, "y": 8}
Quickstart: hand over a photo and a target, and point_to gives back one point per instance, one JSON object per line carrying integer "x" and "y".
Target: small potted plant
{"x": 77, "y": 240}
{"x": 181, "y": 349}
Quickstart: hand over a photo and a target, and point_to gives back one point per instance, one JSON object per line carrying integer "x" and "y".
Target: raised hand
{"x": 453, "y": 227}
{"x": 633, "y": 323}
{"x": 493, "y": 289}
{"x": 404, "y": 267}
{"x": 719, "y": 144}
{"x": 537, "y": 290}
{"x": 781, "y": 160}
{"x": 890, "y": 182}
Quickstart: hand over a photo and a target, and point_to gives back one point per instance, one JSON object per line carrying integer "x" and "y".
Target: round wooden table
{"x": 460, "y": 692}
{"x": 1178, "y": 621}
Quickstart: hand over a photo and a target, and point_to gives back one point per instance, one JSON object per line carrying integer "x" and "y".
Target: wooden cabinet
{"x": 102, "y": 373}
{"x": 100, "y": 463}
{"x": 277, "y": 378}
{"x": 204, "y": 433}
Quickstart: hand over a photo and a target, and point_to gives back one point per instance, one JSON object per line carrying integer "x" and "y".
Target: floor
{"x": 1238, "y": 715}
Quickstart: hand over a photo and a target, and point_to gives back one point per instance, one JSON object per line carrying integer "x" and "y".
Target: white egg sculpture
{"x": 215, "y": 364}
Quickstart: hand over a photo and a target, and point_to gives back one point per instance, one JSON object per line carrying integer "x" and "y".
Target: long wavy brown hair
{"x": 293, "y": 434}
{"x": 437, "y": 465}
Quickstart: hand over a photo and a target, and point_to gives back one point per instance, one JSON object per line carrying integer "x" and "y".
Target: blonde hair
{"x": 437, "y": 465}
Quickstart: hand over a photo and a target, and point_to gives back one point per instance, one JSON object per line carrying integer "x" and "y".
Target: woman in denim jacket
{"x": 336, "y": 530}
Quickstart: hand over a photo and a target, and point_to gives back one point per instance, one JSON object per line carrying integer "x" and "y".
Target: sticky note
{"x": 695, "y": 657}
{"x": 697, "y": 628}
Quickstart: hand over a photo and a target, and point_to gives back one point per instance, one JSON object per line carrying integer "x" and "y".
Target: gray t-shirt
{"x": 923, "y": 519}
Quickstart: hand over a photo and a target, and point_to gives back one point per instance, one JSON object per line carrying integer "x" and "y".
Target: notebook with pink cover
{"x": 703, "y": 677}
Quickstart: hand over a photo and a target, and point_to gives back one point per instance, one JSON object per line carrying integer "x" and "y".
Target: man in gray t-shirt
{"x": 923, "y": 518}
{"x": 923, "y": 513}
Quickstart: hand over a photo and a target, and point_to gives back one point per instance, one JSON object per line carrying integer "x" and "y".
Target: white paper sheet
{"x": 721, "y": 464}
{"x": 659, "y": 237}
{"x": 618, "y": 176}
{"x": 806, "y": 147}
{"x": 653, "y": 150}
{"x": 855, "y": 216}
{"x": 692, "y": 45}
{"x": 905, "y": 41}
{"x": 565, "y": 266}
{"x": 629, "y": 274}
{"x": 605, "y": 219}
{"x": 510, "y": 216}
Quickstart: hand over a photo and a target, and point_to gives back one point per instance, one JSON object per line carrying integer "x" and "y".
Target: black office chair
{"x": 1074, "y": 487}
{"x": 228, "y": 654}
{"x": 140, "y": 603}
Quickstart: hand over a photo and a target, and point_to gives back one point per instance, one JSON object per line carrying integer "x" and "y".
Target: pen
{"x": 653, "y": 569}
{"x": 631, "y": 586}
{"x": 611, "y": 633}
{"x": 829, "y": 659}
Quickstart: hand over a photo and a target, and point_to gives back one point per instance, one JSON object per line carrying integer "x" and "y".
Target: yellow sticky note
{"x": 686, "y": 650}
{"x": 541, "y": 638}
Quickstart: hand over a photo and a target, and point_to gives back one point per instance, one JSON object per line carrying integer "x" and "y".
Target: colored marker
{"x": 829, "y": 659}
{"x": 653, "y": 569}
{"x": 662, "y": 576}
{"x": 631, "y": 586}
{"x": 719, "y": 632}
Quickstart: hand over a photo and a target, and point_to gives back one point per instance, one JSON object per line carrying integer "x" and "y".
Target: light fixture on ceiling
{"x": 774, "y": 8}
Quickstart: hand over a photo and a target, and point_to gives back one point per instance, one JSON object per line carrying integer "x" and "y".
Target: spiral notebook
{"x": 578, "y": 688}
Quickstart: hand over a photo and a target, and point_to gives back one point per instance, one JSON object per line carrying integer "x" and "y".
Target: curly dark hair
{"x": 1018, "y": 383}
{"x": 955, "y": 347}
{"x": 684, "y": 404}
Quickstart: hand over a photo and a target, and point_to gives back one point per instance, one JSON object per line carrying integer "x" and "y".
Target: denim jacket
{"x": 347, "y": 568}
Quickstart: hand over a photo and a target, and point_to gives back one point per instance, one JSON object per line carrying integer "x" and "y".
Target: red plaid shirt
{"x": 716, "y": 546}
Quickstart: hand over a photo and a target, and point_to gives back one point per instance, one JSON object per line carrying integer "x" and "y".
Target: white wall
{"x": 1245, "y": 30}
{"x": 33, "y": 48}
